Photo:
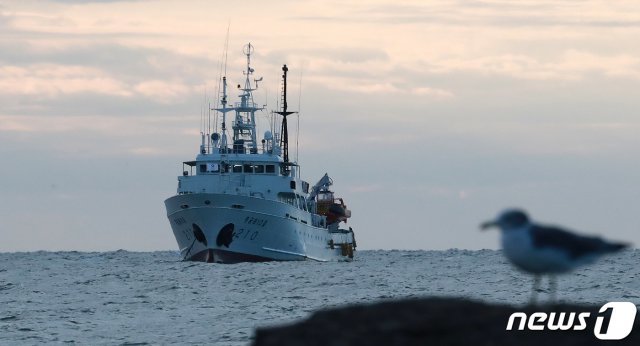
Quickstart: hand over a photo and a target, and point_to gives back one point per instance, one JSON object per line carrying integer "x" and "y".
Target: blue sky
{"x": 431, "y": 116}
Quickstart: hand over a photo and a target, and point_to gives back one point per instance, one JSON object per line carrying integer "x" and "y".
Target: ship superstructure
{"x": 243, "y": 200}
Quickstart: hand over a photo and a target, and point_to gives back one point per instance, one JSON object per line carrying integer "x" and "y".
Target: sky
{"x": 430, "y": 116}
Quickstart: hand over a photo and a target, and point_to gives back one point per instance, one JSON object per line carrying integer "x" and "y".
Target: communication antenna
{"x": 226, "y": 48}
{"x": 224, "y": 109}
{"x": 298, "y": 115}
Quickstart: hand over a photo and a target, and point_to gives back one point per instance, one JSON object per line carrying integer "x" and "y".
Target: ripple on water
{"x": 155, "y": 298}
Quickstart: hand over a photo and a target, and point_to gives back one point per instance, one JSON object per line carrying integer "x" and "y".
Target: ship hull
{"x": 225, "y": 228}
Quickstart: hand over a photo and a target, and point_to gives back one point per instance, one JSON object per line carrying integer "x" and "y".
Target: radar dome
{"x": 268, "y": 136}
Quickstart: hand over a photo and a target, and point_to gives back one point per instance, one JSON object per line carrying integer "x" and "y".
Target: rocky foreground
{"x": 436, "y": 321}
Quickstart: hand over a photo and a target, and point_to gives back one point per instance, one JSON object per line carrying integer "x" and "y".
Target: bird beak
{"x": 489, "y": 224}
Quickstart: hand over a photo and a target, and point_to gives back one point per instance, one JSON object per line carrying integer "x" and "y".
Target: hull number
{"x": 244, "y": 233}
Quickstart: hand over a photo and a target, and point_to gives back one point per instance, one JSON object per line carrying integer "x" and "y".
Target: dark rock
{"x": 432, "y": 321}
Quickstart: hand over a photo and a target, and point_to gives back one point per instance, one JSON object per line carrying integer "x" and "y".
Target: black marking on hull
{"x": 225, "y": 236}
{"x": 199, "y": 234}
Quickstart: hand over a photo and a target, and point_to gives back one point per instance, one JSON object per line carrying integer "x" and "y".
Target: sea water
{"x": 155, "y": 298}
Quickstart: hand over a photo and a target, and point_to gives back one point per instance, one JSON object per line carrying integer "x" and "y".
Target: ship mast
{"x": 223, "y": 110}
{"x": 284, "y": 140}
{"x": 244, "y": 127}
{"x": 215, "y": 137}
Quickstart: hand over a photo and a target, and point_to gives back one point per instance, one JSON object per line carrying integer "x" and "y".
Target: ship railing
{"x": 215, "y": 150}
{"x": 246, "y": 105}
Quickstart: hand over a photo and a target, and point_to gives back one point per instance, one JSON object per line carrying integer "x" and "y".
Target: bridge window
{"x": 237, "y": 168}
{"x": 302, "y": 204}
{"x": 270, "y": 168}
{"x": 287, "y": 197}
{"x": 248, "y": 168}
{"x": 210, "y": 167}
{"x": 258, "y": 169}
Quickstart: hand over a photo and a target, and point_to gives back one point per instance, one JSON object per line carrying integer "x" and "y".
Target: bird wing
{"x": 575, "y": 245}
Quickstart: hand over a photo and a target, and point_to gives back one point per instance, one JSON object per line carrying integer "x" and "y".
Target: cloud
{"x": 500, "y": 14}
{"x": 163, "y": 91}
{"x": 119, "y": 60}
{"x": 93, "y": 1}
{"x": 46, "y": 80}
{"x": 571, "y": 65}
{"x": 622, "y": 65}
{"x": 341, "y": 54}
{"x": 98, "y": 78}
{"x": 147, "y": 151}
{"x": 434, "y": 92}
{"x": 100, "y": 136}
{"x": 106, "y": 125}
{"x": 13, "y": 124}
{"x": 53, "y": 81}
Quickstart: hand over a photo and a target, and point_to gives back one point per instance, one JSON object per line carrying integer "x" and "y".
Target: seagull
{"x": 540, "y": 249}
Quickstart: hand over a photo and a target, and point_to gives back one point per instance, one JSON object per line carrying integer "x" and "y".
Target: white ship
{"x": 243, "y": 200}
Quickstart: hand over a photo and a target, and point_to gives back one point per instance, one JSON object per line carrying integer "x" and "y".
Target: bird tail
{"x": 615, "y": 247}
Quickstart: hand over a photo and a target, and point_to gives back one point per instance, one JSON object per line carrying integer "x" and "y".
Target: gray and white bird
{"x": 541, "y": 249}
